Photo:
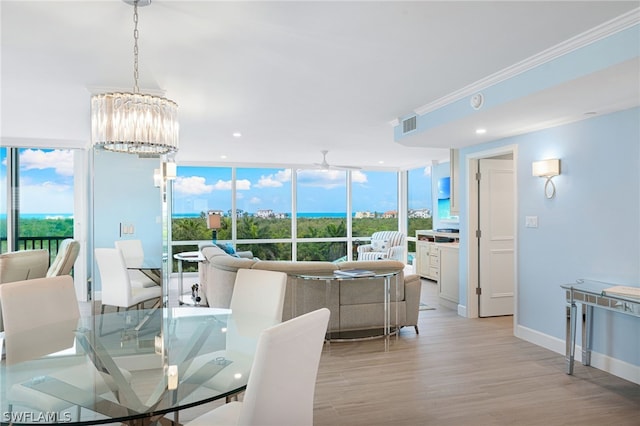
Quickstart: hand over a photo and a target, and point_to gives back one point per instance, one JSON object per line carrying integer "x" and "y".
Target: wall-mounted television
{"x": 444, "y": 188}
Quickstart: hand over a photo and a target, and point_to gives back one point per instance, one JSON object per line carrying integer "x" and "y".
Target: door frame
{"x": 470, "y": 162}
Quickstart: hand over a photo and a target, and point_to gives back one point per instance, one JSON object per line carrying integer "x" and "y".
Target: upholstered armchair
{"x": 66, "y": 257}
{"x": 384, "y": 245}
{"x": 23, "y": 265}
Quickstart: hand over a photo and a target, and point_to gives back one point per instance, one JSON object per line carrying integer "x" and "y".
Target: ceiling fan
{"x": 326, "y": 166}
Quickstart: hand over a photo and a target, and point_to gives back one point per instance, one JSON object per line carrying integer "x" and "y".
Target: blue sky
{"x": 199, "y": 189}
{"x": 46, "y": 181}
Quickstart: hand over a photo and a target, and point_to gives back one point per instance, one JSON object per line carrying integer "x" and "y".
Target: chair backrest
{"x": 392, "y": 238}
{"x": 259, "y": 292}
{"x": 34, "y": 303}
{"x": 132, "y": 251}
{"x": 39, "y": 316}
{"x": 23, "y": 265}
{"x": 282, "y": 382}
{"x": 114, "y": 277}
{"x": 66, "y": 257}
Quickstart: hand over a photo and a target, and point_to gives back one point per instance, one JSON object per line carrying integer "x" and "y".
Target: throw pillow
{"x": 227, "y": 248}
{"x": 379, "y": 245}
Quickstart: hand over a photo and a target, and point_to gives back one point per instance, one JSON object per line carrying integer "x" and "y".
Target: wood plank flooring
{"x": 460, "y": 372}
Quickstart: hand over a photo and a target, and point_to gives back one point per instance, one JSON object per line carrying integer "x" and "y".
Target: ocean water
{"x": 307, "y": 215}
{"x": 3, "y": 216}
{"x": 175, "y": 215}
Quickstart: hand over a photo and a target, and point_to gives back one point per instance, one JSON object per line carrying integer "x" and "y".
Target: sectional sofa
{"x": 355, "y": 305}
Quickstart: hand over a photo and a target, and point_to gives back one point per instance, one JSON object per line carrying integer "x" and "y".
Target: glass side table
{"x": 188, "y": 298}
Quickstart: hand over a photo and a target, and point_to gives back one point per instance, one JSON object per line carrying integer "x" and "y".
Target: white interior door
{"x": 496, "y": 247}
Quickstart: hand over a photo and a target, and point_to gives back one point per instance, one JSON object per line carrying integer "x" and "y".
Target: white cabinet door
{"x": 449, "y": 282}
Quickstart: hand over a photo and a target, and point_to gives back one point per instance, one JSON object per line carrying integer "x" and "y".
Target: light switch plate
{"x": 531, "y": 221}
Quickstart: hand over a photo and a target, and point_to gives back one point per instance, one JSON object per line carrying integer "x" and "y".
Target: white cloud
{"x": 322, "y": 178}
{"x": 225, "y": 185}
{"x": 427, "y": 171}
{"x": 358, "y": 177}
{"x": 255, "y": 200}
{"x": 243, "y": 185}
{"x": 61, "y": 160}
{"x": 192, "y": 185}
{"x": 274, "y": 180}
{"x": 47, "y": 197}
{"x": 268, "y": 182}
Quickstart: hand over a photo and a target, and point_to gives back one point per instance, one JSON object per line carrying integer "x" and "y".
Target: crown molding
{"x": 599, "y": 32}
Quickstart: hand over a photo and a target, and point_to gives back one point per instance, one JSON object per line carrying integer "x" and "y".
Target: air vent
{"x": 409, "y": 125}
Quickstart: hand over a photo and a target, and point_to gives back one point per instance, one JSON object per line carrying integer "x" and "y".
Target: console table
{"x": 386, "y": 276}
{"x": 592, "y": 294}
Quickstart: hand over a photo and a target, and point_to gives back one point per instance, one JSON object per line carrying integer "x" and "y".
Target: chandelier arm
{"x": 134, "y": 123}
{"x": 136, "y": 34}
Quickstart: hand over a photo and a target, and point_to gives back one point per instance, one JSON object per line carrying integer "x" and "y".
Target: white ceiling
{"x": 294, "y": 77}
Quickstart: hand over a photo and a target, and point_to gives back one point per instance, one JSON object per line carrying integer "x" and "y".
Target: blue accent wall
{"x": 591, "y": 229}
{"x": 123, "y": 192}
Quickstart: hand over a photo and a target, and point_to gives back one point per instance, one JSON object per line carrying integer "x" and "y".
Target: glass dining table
{"x": 70, "y": 373}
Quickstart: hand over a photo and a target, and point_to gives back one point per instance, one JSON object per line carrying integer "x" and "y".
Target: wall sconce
{"x": 214, "y": 223}
{"x": 547, "y": 169}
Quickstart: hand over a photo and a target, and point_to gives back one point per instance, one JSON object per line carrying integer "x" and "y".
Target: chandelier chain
{"x": 136, "y": 89}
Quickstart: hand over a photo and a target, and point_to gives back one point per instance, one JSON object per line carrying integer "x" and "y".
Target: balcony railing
{"x": 51, "y": 244}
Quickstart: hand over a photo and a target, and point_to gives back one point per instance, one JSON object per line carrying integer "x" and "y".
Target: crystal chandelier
{"x": 134, "y": 123}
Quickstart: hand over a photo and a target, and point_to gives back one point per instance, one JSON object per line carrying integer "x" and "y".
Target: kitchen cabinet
{"x": 448, "y": 285}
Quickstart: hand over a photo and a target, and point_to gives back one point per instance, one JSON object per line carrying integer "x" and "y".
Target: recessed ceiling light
{"x": 481, "y": 131}
{"x": 223, "y": 156}
{"x": 381, "y": 162}
{"x": 237, "y": 134}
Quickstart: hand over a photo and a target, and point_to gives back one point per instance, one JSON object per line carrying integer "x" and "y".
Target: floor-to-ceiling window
{"x": 196, "y": 192}
{"x": 419, "y": 203}
{"x": 283, "y": 214}
{"x": 321, "y": 206}
{"x": 40, "y": 197}
{"x": 264, "y": 198}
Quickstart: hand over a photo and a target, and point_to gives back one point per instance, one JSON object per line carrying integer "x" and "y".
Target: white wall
{"x": 591, "y": 229}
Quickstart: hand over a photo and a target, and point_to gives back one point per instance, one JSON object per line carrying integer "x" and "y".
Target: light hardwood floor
{"x": 461, "y": 372}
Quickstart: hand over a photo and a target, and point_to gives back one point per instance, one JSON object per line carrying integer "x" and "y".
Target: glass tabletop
{"x": 609, "y": 296}
{"x": 181, "y": 357}
{"x": 325, "y": 276}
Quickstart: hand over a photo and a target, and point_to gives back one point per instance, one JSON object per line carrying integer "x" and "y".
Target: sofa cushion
{"x": 306, "y": 267}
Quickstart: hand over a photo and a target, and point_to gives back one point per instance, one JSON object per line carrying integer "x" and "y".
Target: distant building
{"x": 364, "y": 215}
{"x": 420, "y": 213}
{"x": 390, "y": 214}
{"x": 265, "y": 213}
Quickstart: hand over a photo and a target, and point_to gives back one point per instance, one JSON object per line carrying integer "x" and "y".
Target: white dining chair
{"x": 259, "y": 292}
{"x": 41, "y": 316}
{"x": 133, "y": 254}
{"x": 116, "y": 289}
{"x": 282, "y": 382}
{"x": 256, "y": 303}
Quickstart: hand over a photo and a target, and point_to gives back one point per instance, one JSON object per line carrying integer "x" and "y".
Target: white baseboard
{"x": 462, "y": 311}
{"x": 602, "y": 362}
